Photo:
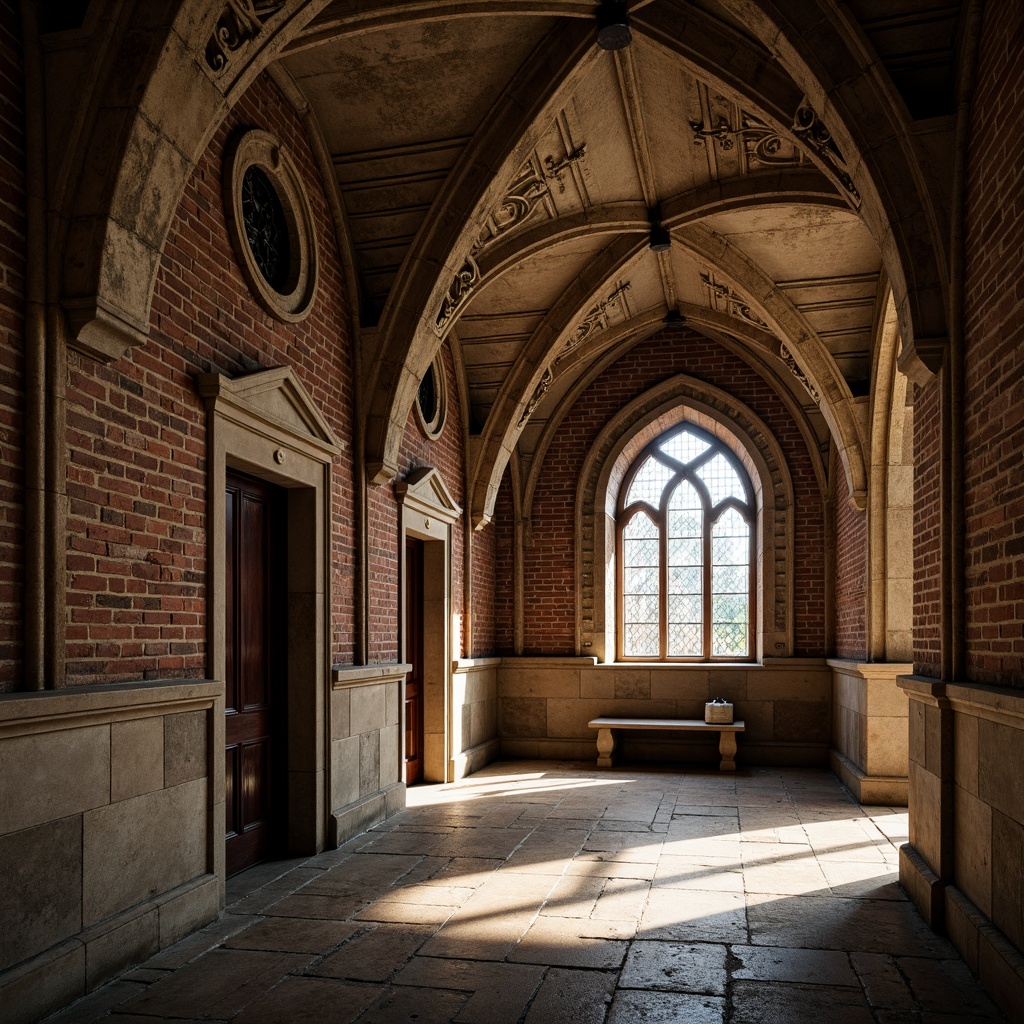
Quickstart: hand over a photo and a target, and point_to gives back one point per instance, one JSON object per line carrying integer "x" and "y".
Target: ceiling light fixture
{"x": 613, "y": 25}
{"x": 661, "y": 240}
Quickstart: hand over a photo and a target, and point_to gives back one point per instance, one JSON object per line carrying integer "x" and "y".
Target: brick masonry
{"x": 136, "y": 433}
{"x": 12, "y": 332}
{"x": 850, "y": 575}
{"x": 994, "y": 357}
{"x": 446, "y": 455}
{"x": 549, "y": 589}
{"x": 927, "y": 530}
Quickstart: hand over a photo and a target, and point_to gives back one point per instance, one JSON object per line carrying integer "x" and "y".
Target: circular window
{"x": 271, "y": 225}
{"x": 430, "y": 398}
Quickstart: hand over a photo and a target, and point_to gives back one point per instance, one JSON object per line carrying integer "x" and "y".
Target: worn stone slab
{"x": 675, "y": 967}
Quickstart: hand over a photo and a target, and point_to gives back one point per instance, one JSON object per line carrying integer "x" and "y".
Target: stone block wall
{"x": 474, "y": 727}
{"x": 112, "y": 812}
{"x": 869, "y": 730}
{"x": 962, "y": 866}
{"x": 544, "y": 705}
{"x": 365, "y": 748}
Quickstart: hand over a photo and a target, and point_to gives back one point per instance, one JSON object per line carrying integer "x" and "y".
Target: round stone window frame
{"x": 258, "y": 148}
{"x": 434, "y": 426}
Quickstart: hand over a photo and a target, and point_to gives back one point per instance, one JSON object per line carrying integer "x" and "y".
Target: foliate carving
{"x": 457, "y": 295}
{"x": 761, "y": 143}
{"x": 723, "y": 298}
{"x": 596, "y": 319}
{"x": 529, "y": 187}
{"x": 538, "y": 393}
{"x": 811, "y": 130}
{"x": 556, "y": 170}
{"x": 794, "y": 368}
{"x": 240, "y": 21}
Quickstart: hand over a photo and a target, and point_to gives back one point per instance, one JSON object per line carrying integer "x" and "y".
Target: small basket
{"x": 718, "y": 712}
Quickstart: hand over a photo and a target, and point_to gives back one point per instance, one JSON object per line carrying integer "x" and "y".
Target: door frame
{"x": 266, "y": 425}
{"x": 427, "y": 512}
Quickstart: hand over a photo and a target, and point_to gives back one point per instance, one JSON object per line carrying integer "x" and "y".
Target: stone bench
{"x": 607, "y": 726}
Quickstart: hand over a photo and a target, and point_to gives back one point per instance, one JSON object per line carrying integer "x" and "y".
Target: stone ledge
{"x": 462, "y": 665}
{"x": 52, "y": 710}
{"x": 987, "y": 952}
{"x": 362, "y": 675}
{"x": 871, "y": 669}
{"x": 358, "y": 816}
{"x": 886, "y": 790}
{"x": 923, "y": 886}
{"x": 50, "y": 980}
{"x": 472, "y": 760}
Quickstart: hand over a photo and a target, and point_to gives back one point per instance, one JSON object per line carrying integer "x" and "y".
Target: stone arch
{"x": 639, "y": 422}
{"x": 890, "y": 501}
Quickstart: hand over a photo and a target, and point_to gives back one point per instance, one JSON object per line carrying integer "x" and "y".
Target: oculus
{"x": 271, "y": 225}
{"x": 431, "y": 399}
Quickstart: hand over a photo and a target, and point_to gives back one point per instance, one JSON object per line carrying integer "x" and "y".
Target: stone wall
{"x": 869, "y": 730}
{"x": 474, "y": 727}
{"x": 112, "y": 804}
{"x": 544, "y": 705}
{"x": 365, "y": 748}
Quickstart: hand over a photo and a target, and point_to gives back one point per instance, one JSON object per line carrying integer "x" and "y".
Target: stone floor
{"x": 540, "y": 892}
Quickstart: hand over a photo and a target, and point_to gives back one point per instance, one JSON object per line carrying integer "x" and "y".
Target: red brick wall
{"x": 549, "y": 559}
{"x": 12, "y": 331}
{"x": 136, "y": 434}
{"x": 994, "y": 357}
{"x": 504, "y": 578}
{"x": 851, "y": 575}
{"x": 484, "y": 567}
{"x": 446, "y": 455}
{"x": 927, "y": 529}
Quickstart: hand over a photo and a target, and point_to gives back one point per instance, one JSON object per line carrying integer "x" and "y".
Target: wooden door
{"x": 414, "y": 655}
{"x": 255, "y": 695}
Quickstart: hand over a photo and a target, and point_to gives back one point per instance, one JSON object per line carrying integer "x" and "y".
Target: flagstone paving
{"x": 552, "y": 893}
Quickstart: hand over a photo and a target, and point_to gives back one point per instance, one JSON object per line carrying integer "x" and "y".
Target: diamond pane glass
{"x": 649, "y": 482}
{"x": 730, "y": 585}
{"x": 640, "y": 613}
{"x": 685, "y": 577}
{"x": 684, "y": 446}
{"x": 721, "y": 480}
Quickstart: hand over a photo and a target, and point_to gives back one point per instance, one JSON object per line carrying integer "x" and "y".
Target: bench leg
{"x": 605, "y": 747}
{"x": 727, "y": 748}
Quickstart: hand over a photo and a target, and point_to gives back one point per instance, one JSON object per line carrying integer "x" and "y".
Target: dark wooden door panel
{"x": 414, "y": 655}
{"x": 256, "y": 702}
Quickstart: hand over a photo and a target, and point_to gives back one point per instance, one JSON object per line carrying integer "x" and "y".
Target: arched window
{"x": 685, "y": 527}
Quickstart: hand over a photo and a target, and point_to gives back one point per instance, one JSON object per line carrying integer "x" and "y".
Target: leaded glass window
{"x": 685, "y": 548}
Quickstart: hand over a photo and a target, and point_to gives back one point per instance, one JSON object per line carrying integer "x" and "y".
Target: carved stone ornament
{"x": 271, "y": 225}
{"x": 721, "y": 295}
{"x": 457, "y": 295}
{"x": 538, "y": 393}
{"x": 529, "y": 188}
{"x": 794, "y": 368}
{"x": 596, "y": 319}
{"x": 761, "y": 143}
{"x": 810, "y": 130}
{"x": 240, "y": 21}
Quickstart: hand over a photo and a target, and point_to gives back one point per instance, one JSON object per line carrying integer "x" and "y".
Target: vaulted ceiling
{"x": 547, "y": 265}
